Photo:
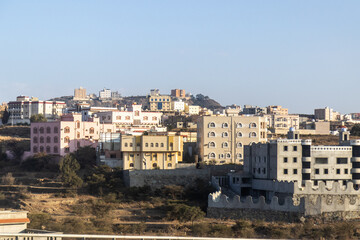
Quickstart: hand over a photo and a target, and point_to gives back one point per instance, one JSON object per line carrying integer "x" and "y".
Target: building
{"x": 80, "y": 94}
{"x": 280, "y": 123}
{"x": 145, "y": 152}
{"x": 178, "y": 106}
{"x": 221, "y": 139}
{"x": 327, "y": 114}
{"x": 115, "y": 95}
{"x": 254, "y": 110}
{"x": 178, "y": 93}
{"x": 277, "y": 110}
{"x": 194, "y": 110}
{"x": 161, "y": 103}
{"x": 66, "y": 135}
{"x": 105, "y": 94}
{"x": 13, "y": 221}
{"x": 154, "y": 92}
{"x": 24, "y": 107}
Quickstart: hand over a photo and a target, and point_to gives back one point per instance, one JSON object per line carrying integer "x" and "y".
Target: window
{"x": 56, "y": 150}
{"x": 78, "y": 134}
{"x": 212, "y": 155}
{"x": 346, "y": 171}
{"x": 338, "y": 171}
{"x": 137, "y": 113}
{"x": 56, "y": 129}
{"x": 156, "y": 144}
{"x": 162, "y": 145}
{"x": 225, "y": 125}
{"x": 294, "y": 159}
{"x": 145, "y": 118}
{"x": 66, "y": 140}
{"x": 212, "y": 134}
{"x": 91, "y": 130}
{"x": 321, "y": 160}
{"x": 239, "y": 134}
{"x": 154, "y": 165}
{"x": 295, "y": 171}
{"x": 118, "y": 117}
{"x": 67, "y": 130}
{"x": 285, "y": 148}
{"x": 317, "y": 171}
{"x": 211, "y": 144}
{"x": 48, "y": 149}
{"x": 35, "y": 149}
{"x": 285, "y": 171}
{"x": 225, "y": 134}
{"x": 239, "y": 145}
{"x": 155, "y": 157}
{"x": 169, "y": 165}
{"x": 41, "y": 130}
{"x": 326, "y": 171}
{"x": 239, "y": 155}
{"x": 78, "y": 144}
{"x": 41, "y": 139}
{"x": 151, "y": 144}
{"x": 77, "y": 124}
{"x": 41, "y": 149}
{"x": 131, "y": 165}
{"x": 252, "y": 125}
{"x": 154, "y": 118}
{"x": 35, "y": 130}
{"x": 146, "y": 145}
{"x": 228, "y": 155}
{"x": 294, "y": 148}
{"x": 285, "y": 159}
{"x": 225, "y": 145}
{"x": 211, "y": 125}
{"x": 127, "y": 117}
{"x": 48, "y": 130}
{"x": 341, "y": 160}
{"x": 238, "y": 125}
{"x": 252, "y": 134}
{"x": 35, "y": 139}
{"x": 221, "y": 155}
{"x": 48, "y": 139}
{"x": 130, "y": 144}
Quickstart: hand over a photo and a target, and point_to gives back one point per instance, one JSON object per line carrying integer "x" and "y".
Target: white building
{"x": 178, "y": 106}
{"x": 105, "y": 94}
{"x": 194, "y": 110}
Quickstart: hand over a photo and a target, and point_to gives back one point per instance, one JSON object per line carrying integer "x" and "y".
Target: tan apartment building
{"x": 277, "y": 110}
{"x": 179, "y": 93}
{"x": 151, "y": 151}
{"x": 80, "y": 94}
{"x": 221, "y": 139}
{"x": 161, "y": 103}
{"x": 280, "y": 123}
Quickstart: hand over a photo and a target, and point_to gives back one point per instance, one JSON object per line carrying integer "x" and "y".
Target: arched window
{"x": 127, "y": 117}
{"x": 125, "y": 144}
{"x": 225, "y": 125}
{"x": 41, "y": 130}
{"x": 145, "y": 118}
{"x": 35, "y": 149}
{"x": 78, "y": 124}
{"x": 154, "y": 165}
{"x": 212, "y": 125}
{"x": 225, "y": 134}
{"x": 162, "y": 145}
{"x": 252, "y": 134}
{"x": 156, "y": 145}
{"x": 239, "y": 134}
{"x": 228, "y": 155}
{"x": 48, "y": 149}
{"x": 221, "y": 155}
{"x": 48, "y": 139}
{"x": 41, "y": 139}
{"x": 239, "y": 145}
{"x": 48, "y": 130}
{"x": 91, "y": 130}
{"x": 239, "y": 156}
{"x": 78, "y": 144}
{"x": 78, "y": 135}
{"x": 151, "y": 144}
{"x": 67, "y": 149}
{"x": 212, "y": 134}
{"x": 212, "y": 155}
{"x": 35, "y": 139}
{"x": 137, "y": 113}
{"x": 131, "y": 165}
{"x": 146, "y": 145}
{"x": 35, "y": 130}
{"x": 56, "y": 130}
{"x": 252, "y": 125}
{"x": 41, "y": 149}
{"x": 154, "y": 118}
{"x": 238, "y": 125}
{"x": 66, "y": 140}
{"x": 56, "y": 139}
{"x": 212, "y": 144}
{"x": 67, "y": 130}
{"x": 225, "y": 145}
{"x": 169, "y": 165}
{"x": 56, "y": 150}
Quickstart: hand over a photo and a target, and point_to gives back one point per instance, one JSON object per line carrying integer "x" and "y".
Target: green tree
{"x": 5, "y": 117}
{"x": 86, "y": 157}
{"x": 185, "y": 213}
{"x": 355, "y": 130}
{"x": 38, "y": 118}
{"x": 68, "y": 168}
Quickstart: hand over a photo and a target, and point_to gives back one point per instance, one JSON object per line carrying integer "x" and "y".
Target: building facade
{"x": 280, "y": 123}
{"x": 178, "y": 93}
{"x": 105, "y": 94}
{"x": 162, "y": 103}
{"x": 221, "y": 139}
{"x": 80, "y": 94}
{"x": 277, "y": 110}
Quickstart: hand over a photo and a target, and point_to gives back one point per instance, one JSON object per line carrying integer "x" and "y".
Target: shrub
{"x": 184, "y": 213}
{"x": 68, "y": 168}
{"x": 39, "y": 220}
{"x": 220, "y": 230}
{"x": 200, "y": 230}
{"x": 8, "y": 179}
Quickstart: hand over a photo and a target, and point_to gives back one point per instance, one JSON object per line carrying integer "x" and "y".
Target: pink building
{"x": 67, "y": 135}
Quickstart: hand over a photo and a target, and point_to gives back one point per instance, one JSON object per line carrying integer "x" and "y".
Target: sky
{"x": 300, "y": 54}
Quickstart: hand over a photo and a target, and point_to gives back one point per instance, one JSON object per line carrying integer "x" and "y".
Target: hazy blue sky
{"x": 299, "y": 54}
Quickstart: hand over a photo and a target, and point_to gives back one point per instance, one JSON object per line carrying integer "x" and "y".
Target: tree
{"x": 68, "y": 168}
{"x": 5, "y": 117}
{"x": 38, "y": 118}
{"x": 355, "y": 130}
{"x": 86, "y": 156}
{"x": 185, "y": 213}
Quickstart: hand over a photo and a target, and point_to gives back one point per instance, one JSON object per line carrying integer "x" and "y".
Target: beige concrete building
{"x": 327, "y": 114}
{"x": 277, "y": 110}
{"x": 179, "y": 93}
{"x": 221, "y": 138}
{"x": 151, "y": 151}
{"x": 280, "y": 123}
{"x": 161, "y": 103}
{"x": 80, "y": 94}
{"x": 194, "y": 110}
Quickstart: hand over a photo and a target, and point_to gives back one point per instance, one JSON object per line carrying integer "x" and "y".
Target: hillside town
{"x": 261, "y": 163}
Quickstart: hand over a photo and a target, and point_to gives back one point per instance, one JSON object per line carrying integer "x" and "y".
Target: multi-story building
{"x": 161, "y": 103}
{"x": 115, "y": 95}
{"x": 105, "y": 94}
{"x": 80, "y": 94}
{"x": 281, "y": 123}
{"x": 254, "y": 110}
{"x": 178, "y": 106}
{"x": 66, "y": 135}
{"x": 24, "y": 107}
{"x": 194, "y": 110}
{"x": 154, "y": 92}
{"x": 277, "y": 110}
{"x": 178, "y": 93}
{"x": 221, "y": 138}
{"x": 327, "y": 114}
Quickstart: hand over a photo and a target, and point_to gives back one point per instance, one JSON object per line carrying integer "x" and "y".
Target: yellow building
{"x": 151, "y": 151}
{"x": 160, "y": 103}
